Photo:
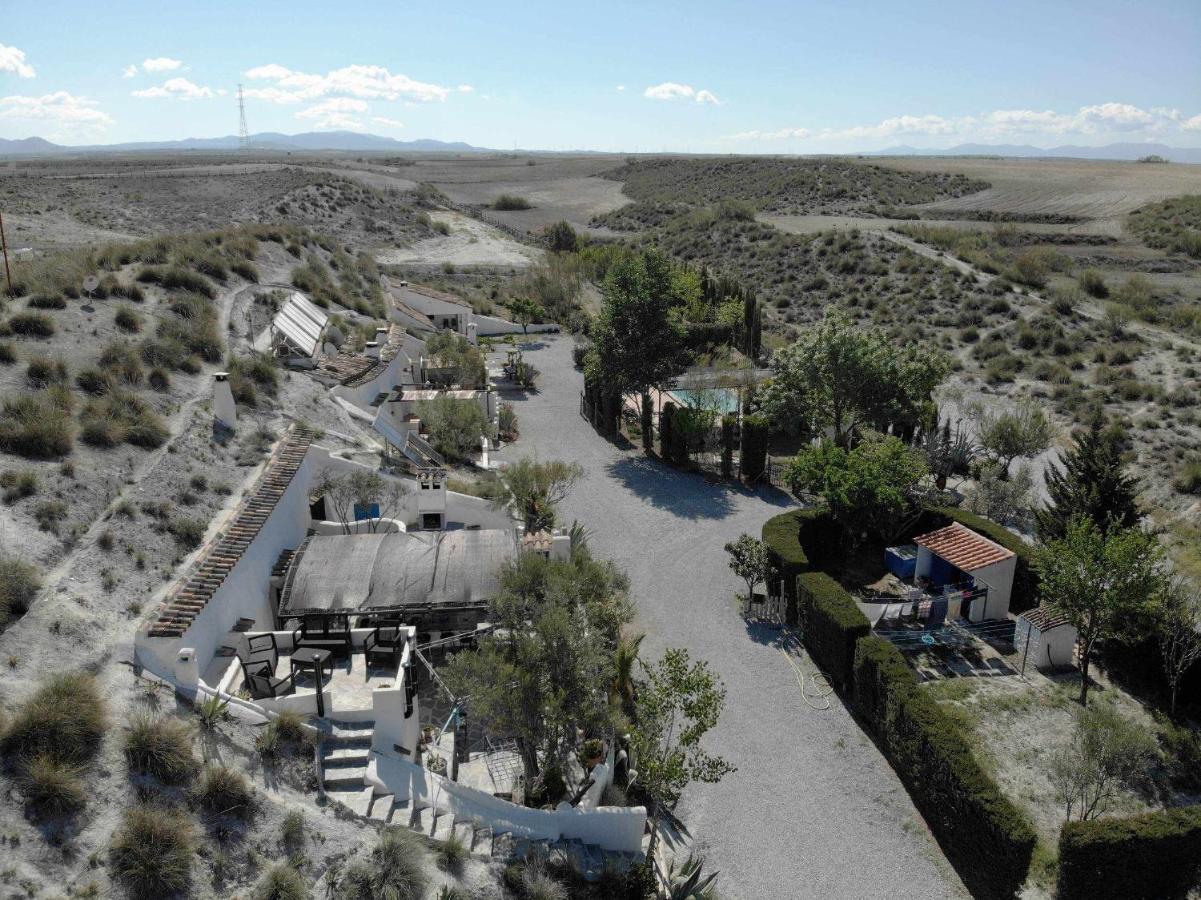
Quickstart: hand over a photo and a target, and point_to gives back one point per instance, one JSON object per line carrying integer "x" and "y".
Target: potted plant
{"x": 436, "y": 764}
{"x": 592, "y": 751}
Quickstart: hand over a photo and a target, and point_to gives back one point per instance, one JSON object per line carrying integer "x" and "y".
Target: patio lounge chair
{"x": 386, "y": 643}
{"x": 262, "y": 682}
{"x": 262, "y": 648}
{"x": 324, "y": 634}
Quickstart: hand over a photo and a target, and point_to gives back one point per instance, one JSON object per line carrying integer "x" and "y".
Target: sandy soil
{"x": 471, "y": 243}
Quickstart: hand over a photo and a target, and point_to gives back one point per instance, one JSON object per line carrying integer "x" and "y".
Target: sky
{"x": 750, "y": 77}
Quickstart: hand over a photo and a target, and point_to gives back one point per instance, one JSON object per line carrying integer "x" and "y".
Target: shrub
{"x": 128, "y": 319}
{"x": 31, "y": 324}
{"x": 19, "y": 585}
{"x": 93, "y": 381}
{"x": 880, "y": 670}
{"x": 179, "y": 278}
{"x": 160, "y": 746}
{"x": 159, "y": 379}
{"x": 224, "y": 791}
{"x": 454, "y": 426}
{"x": 1188, "y": 479}
{"x": 37, "y": 426}
{"x": 49, "y": 513}
{"x": 65, "y": 718}
{"x": 833, "y": 624}
{"x": 246, "y": 270}
{"x": 1148, "y": 856}
{"x": 122, "y": 417}
{"x": 396, "y": 869}
{"x": 18, "y": 485}
{"x": 121, "y": 361}
{"x": 453, "y": 853}
{"x": 796, "y": 542}
{"x": 46, "y": 301}
{"x": 151, "y": 854}
{"x": 52, "y": 787}
{"x": 282, "y": 882}
{"x": 43, "y": 371}
{"x": 291, "y": 832}
{"x": 8, "y": 355}
{"x": 188, "y": 533}
{"x": 1093, "y": 284}
{"x": 510, "y": 203}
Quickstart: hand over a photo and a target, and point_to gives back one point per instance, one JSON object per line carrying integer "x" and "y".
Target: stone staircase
{"x": 345, "y": 754}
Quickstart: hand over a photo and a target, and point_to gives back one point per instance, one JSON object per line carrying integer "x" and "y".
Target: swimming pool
{"x": 724, "y": 399}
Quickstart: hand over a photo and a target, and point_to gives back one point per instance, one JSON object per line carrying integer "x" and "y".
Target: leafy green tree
{"x": 679, "y": 703}
{"x": 455, "y": 426}
{"x": 535, "y": 488}
{"x": 1091, "y": 483}
{"x": 843, "y": 376}
{"x": 750, "y": 561}
{"x": 637, "y": 344}
{"x": 452, "y": 351}
{"x": 1178, "y": 630}
{"x": 1104, "y": 583}
{"x": 349, "y": 492}
{"x": 525, "y": 310}
{"x": 868, "y": 489}
{"x": 562, "y": 238}
{"x": 1023, "y": 431}
{"x": 537, "y": 677}
{"x": 1107, "y": 752}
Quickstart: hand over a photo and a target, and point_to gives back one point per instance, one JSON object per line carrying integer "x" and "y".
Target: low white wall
{"x": 999, "y": 578}
{"x": 619, "y": 829}
{"x": 490, "y": 326}
{"x": 362, "y": 526}
{"x": 400, "y": 370}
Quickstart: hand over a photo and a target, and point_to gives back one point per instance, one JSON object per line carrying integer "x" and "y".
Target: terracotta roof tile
{"x": 963, "y": 548}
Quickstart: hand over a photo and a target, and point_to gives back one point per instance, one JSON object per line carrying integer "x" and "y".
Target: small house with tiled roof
{"x": 1044, "y": 638}
{"x": 956, "y": 555}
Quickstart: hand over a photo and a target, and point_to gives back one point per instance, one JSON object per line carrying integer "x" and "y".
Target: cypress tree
{"x": 1091, "y": 484}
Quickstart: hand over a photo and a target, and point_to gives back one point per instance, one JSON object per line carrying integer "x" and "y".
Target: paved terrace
{"x": 814, "y": 810}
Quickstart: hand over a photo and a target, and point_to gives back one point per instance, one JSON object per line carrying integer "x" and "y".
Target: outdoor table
{"x": 312, "y": 658}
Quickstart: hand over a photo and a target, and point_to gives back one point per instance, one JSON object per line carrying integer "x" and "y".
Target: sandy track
{"x": 471, "y": 243}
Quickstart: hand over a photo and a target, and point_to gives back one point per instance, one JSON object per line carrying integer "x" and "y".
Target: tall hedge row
{"x": 833, "y": 624}
{"x": 985, "y": 836}
{"x": 798, "y": 541}
{"x": 1148, "y": 856}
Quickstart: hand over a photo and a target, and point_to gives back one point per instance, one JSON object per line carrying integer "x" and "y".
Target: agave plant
{"x": 211, "y": 711}
{"x": 686, "y": 883}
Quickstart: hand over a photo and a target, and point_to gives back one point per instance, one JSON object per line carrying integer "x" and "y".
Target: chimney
{"x": 471, "y": 335}
{"x": 371, "y": 349}
{"x": 224, "y": 410}
{"x": 381, "y": 335}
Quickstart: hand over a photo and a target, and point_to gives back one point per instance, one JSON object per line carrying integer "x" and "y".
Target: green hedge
{"x": 1149, "y": 856}
{"x": 833, "y": 624}
{"x": 1025, "y": 579}
{"x": 987, "y": 838}
{"x": 754, "y": 447}
{"x": 798, "y": 541}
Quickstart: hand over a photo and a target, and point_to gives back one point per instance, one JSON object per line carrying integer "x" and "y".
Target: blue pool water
{"x": 725, "y": 398}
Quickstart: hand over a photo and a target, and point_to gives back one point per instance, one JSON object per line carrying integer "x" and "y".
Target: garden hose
{"x": 815, "y": 689}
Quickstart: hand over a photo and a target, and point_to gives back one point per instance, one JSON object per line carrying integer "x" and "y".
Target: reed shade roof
{"x": 362, "y": 573}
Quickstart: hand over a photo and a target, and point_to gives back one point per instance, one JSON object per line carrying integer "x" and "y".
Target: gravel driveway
{"x": 814, "y": 810}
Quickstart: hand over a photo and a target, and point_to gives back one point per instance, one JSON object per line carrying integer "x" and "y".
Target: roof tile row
{"x": 181, "y": 607}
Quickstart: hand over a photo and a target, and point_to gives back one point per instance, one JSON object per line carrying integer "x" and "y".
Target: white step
{"x": 356, "y": 756}
{"x": 359, "y": 801}
{"x": 444, "y": 827}
{"x": 466, "y": 833}
{"x": 402, "y": 813}
{"x": 381, "y": 807}
{"x": 424, "y": 821}
{"x": 350, "y": 732}
{"x": 345, "y": 775}
{"x": 481, "y": 844}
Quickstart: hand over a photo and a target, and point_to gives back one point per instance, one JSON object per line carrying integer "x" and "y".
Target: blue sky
{"x": 778, "y": 77}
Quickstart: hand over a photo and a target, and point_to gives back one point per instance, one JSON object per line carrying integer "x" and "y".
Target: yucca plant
{"x": 686, "y": 883}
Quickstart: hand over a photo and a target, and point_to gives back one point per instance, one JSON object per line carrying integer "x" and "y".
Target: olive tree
{"x": 750, "y": 561}
{"x": 349, "y": 494}
{"x": 1178, "y": 630}
{"x": 1023, "y": 431}
{"x": 536, "y": 487}
{"x": 1107, "y": 752}
{"x": 842, "y": 377}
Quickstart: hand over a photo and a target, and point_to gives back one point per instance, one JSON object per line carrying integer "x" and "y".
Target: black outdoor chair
{"x": 261, "y": 681}
{"x": 324, "y": 633}
{"x": 386, "y": 643}
{"x": 262, "y": 648}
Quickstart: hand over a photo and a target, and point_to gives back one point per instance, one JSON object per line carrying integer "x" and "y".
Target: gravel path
{"x": 814, "y": 810}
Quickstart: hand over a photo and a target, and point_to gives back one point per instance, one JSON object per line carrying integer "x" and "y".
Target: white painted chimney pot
{"x": 224, "y": 409}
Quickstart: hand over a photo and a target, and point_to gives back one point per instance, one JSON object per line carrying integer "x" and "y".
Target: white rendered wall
{"x": 999, "y": 578}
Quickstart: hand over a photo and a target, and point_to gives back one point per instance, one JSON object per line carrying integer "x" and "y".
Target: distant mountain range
{"x": 1108, "y": 151}
{"x": 267, "y": 140}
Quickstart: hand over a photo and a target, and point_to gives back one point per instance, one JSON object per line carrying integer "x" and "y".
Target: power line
{"x": 243, "y": 132}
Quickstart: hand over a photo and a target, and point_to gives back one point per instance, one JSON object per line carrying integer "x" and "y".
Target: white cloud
{"x": 179, "y": 88}
{"x": 129, "y": 71}
{"x": 161, "y": 64}
{"x": 13, "y": 60}
{"x": 386, "y": 122}
{"x": 60, "y": 108}
{"x": 336, "y": 112}
{"x": 672, "y": 90}
{"x": 369, "y": 82}
{"x": 465, "y": 89}
{"x": 271, "y": 95}
{"x": 1100, "y": 120}
{"x": 621, "y": 87}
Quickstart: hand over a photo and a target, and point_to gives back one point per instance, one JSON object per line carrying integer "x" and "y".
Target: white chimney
{"x": 371, "y": 349}
{"x": 381, "y": 335}
{"x": 471, "y": 335}
{"x": 224, "y": 410}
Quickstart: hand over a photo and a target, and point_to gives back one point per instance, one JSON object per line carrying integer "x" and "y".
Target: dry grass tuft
{"x": 151, "y": 854}
{"x": 160, "y": 746}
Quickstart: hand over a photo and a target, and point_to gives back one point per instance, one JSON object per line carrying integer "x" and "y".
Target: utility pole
{"x": 243, "y": 132}
{"x": 8, "y": 275}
